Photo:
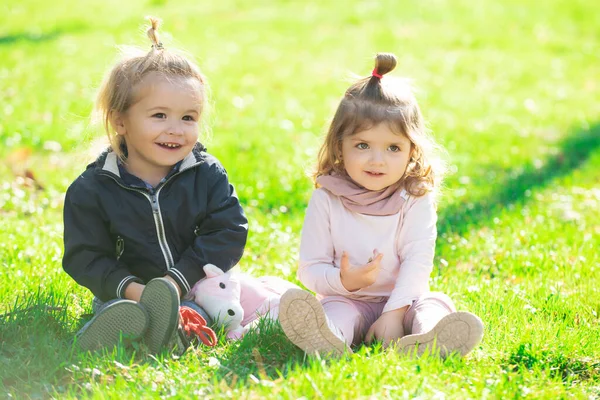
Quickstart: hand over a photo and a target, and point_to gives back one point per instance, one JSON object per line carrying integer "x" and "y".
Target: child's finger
{"x": 344, "y": 263}
{"x": 370, "y": 334}
{"x": 377, "y": 259}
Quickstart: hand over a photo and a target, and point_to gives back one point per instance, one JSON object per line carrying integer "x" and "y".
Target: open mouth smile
{"x": 169, "y": 145}
{"x": 374, "y": 174}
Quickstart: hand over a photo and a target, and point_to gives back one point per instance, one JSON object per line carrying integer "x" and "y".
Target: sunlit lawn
{"x": 509, "y": 88}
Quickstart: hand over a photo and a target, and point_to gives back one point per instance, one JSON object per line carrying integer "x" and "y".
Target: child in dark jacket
{"x": 144, "y": 218}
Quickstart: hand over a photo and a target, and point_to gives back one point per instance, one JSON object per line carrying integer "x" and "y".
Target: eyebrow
{"x": 161, "y": 108}
{"x": 359, "y": 139}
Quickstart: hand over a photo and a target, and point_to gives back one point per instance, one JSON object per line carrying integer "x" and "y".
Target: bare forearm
{"x": 396, "y": 316}
{"x": 133, "y": 291}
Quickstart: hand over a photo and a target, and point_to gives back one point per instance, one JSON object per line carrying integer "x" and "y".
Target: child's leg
{"x": 426, "y": 312}
{"x": 114, "y": 320}
{"x": 98, "y": 305}
{"x": 192, "y": 304}
{"x": 305, "y": 323}
{"x": 352, "y": 317}
{"x": 433, "y": 319}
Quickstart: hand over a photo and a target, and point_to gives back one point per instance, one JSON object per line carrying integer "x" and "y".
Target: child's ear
{"x": 118, "y": 122}
{"x": 212, "y": 271}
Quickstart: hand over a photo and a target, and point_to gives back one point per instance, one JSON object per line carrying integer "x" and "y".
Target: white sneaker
{"x": 458, "y": 332}
{"x": 305, "y": 324}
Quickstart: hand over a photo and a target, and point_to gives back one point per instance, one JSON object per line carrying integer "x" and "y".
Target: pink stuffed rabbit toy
{"x": 235, "y": 300}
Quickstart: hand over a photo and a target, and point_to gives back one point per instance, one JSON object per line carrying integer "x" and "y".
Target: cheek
{"x": 403, "y": 163}
{"x": 355, "y": 157}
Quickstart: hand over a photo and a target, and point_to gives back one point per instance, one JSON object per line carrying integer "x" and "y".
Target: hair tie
{"x": 158, "y": 46}
{"x": 375, "y": 74}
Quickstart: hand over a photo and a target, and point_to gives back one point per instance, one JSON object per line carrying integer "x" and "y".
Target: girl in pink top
{"x": 369, "y": 234}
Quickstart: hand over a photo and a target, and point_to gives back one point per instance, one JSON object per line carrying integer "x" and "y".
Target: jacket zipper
{"x": 158, "y": 222}
{"x": 160, "y": 229}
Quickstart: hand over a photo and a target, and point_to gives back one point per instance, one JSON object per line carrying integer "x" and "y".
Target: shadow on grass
{"x": 35, "y": 336}
{"x": 262, "y": 354}
{"x": 558, "y": 365}
{"x": 573, "y": 151}
{"x": 41, "y": 37}
{"x": 37, "y": 354}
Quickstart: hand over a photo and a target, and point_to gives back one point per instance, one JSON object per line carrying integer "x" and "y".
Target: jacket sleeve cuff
{"x": 184, "y": 282}
{"x": 124, "y": 283}
{"x": 115, "y": 284}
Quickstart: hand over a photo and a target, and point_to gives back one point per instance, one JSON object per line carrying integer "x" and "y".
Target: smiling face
{"x": 161, "y": 127}
{"x": 377, "y": 157}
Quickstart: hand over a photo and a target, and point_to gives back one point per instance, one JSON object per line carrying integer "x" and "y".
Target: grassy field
{"x": 509, "y": 88}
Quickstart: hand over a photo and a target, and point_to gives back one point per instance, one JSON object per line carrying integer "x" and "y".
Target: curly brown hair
{"x": 375, "y": 100}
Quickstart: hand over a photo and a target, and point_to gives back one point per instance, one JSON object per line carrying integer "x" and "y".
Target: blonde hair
{"x": 371, "y": 101}
{"x": 117, "y": 91}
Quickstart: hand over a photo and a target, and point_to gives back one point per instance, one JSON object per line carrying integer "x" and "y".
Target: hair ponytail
{"x": 152, "y": 33}
{"x": 384, "y": 63}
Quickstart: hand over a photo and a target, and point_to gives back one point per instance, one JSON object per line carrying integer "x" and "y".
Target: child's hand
{"x": 388, "y": 327}
{"x": 133, "y": 291}
{"x": 356, "y": 277}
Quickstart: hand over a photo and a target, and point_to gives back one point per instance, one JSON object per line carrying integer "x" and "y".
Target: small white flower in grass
{"x": 530, "y": 105}
{"x": 286, "y": 125}
{"x": 238, "y": 102}
{"x": 473, "y": 288}
{"x": 213, "y": 362}
{"x": 95, "y": 373}
{"x": 51, "y": 145}
{"x": 531, "y": 308}
{"x": 118, "y": 364}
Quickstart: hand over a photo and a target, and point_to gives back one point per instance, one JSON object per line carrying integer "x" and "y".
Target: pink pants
{"x": 355, "y": 317}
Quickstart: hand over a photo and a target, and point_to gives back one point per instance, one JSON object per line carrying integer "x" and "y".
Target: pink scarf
{"x": 356, "y": 198}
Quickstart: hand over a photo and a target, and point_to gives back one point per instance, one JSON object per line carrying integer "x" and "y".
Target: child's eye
{"x": 394, "y": 149}
{"x": 160, "y": 115}
{"x": 362, "y": 146}
{"x": 188, "y": 118}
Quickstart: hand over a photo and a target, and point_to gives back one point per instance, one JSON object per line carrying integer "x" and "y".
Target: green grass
{"x": 509, "y": 88}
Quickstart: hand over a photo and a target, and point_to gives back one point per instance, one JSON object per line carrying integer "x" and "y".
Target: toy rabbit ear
{"x": 212, "y": 270}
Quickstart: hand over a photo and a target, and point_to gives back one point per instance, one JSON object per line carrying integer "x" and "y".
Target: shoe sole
{"x": 458, "y": 332}
{"x": 161, "y": 299}
{"x": 124, "y": 319}
{"x": 304, "y": 322}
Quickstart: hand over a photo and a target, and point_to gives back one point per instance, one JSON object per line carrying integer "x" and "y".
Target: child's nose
{"x": 176, "y": 129}
{"x": 377, "y": 157}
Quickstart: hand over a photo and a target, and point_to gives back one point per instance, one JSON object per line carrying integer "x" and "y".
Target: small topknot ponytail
{"x": 152, "y": 32}
{"x": 384, "y": 63}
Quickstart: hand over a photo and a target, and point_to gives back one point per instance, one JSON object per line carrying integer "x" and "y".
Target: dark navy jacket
{"x": 116, "y": 233}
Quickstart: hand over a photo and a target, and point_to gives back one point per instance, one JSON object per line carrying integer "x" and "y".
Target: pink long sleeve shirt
{"x": 406, "y": 239}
